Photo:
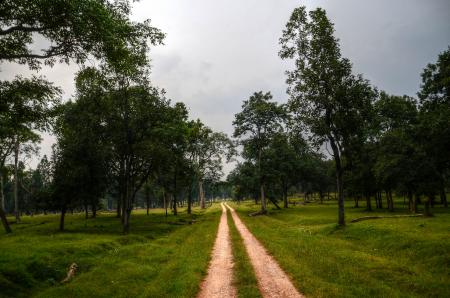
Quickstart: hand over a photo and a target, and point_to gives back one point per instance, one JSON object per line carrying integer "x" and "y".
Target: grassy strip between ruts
{"x": 406, "y": 257}
{"x": 159, "y": 258}
{"x": 243, "y": 275}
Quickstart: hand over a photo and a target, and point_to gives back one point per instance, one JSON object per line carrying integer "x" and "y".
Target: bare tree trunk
{"x": 4, "y": 221}
{"x": 165, "y": 201}
{"x": 201, "y": 194}
{"x": 127, "y": 207}
{"x": 428, "y": 206}
{"x": 119, "y": 206}
{"x": 123, "y": 206}
{"x": 2, "y": 206}
{"x": 339, "y": 180}
{"x": 61, "y": 220}
{"x": 16, "y": 177}
{"x": 126, "y": 220}
{"x": 410, "y": 201}
{"x": 263, "y": 200}
{"x": 285, "y": 197}
{"x": 147, "y": 199}
{"x": 94, "y": 210}
{"x": 86, "y": 211}
{"x": 189, "y": 202}
{"x": 390, "y": 201}
{"x": 340, "y": 183}
{"x": 416, "y": 203}
{"x": 174, "y": 204}
{"x": 443, "y": 197}
{"x": 368, "y": 203}
{"x": 261, "y": 184}
{"x": 2, "y": 194}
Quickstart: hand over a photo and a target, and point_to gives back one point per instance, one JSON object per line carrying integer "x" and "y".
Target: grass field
{"x": 407, "y": 257}
{"x": 159, "y": 258}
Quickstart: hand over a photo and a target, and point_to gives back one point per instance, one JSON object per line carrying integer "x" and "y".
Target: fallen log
{"x": 261, "y": 212}
{"x": 388, "y": 216}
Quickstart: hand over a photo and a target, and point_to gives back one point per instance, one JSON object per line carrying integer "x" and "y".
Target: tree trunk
{"x": 263, "y": 200}
{"x": 443, "y": 197}
{"x": 410, "y": 202}
{"x": 61, "y": 220}
{"x": 174, "y": 202}
{"x": 416, "y": 203}
{"x": 86, "y": 211}
{"x": 4, "y": 221}
{"x": 321, "y": 197}
{"x": 119, "y": 204}
{"x": 368, "y": 203}
{"x": 390, "y": 201}
{"x": 285, "y": 197}
{"x": 16, "y": 177}
{"x": 123, "y": 208}
{"x": 356, "y": 202}
{"x": 201, "y": 194}
{"x": 2, "y": 194}
{"x": 339, "y": 180}
{"x": 2, "y": 206}
{"x": 189, "y": 202}
{"x": 94, "y": 210}
{"x": 261, "y": 184}
{"x": 165, "y": 201}
{"x": 428, "y": 207}
{"x": 147, "y": 200}
{"x": 126, "y": 220}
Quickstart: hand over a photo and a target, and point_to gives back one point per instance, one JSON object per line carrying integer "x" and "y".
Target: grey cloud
{"x": 217, "y": 53}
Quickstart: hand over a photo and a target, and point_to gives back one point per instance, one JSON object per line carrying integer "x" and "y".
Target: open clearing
{"x": 407, "y": 257}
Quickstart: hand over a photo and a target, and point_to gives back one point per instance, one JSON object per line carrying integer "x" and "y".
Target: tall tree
{"x": 206, "y": 151}
{"x": 255, "y": 126}
{"x": 28, "y": 106}
{"x": 327, "y": 99}
{"x": 435, "y": 117}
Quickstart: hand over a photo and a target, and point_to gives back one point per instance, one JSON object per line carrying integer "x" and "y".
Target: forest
{"x": 131, "y": 170}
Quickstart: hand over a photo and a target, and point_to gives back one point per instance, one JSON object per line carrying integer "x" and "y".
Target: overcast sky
{"x": 217, "y": 53}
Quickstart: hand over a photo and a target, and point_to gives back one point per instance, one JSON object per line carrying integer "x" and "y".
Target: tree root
{"x": 390, "y": 216}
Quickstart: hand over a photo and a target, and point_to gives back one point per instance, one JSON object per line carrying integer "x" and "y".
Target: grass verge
{"x": 159, "y": 258}
{"x": 407, "y": 257}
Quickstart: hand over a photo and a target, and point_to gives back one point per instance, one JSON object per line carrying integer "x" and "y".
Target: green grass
{"x": 407, "y": 257}
{"x": 159, "y": 258}
{"x": 244, "y": 276}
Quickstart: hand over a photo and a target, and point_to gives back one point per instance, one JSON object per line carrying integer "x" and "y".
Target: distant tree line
{"x": 120, "y": 142}
{"x": 378, "y": 143}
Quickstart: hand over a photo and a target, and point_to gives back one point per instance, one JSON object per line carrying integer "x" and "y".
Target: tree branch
{"x": 22, "y": 29}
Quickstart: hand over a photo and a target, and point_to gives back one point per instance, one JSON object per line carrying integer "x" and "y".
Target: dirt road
{"x": 219, "y": 280}
{"x": 272, "y": 280}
